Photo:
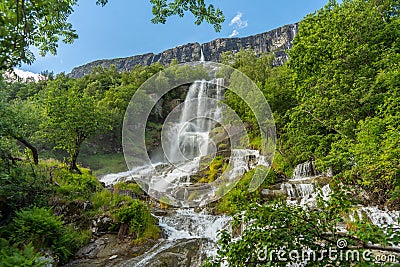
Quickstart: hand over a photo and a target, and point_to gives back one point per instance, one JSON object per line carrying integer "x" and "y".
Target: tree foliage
{"x": 278, "y": 234}
{"x": 72, "y": 116}
{"x": 343, "y": 63}
{"x": 42, "y": 24}
{"x": 25, "y": 24}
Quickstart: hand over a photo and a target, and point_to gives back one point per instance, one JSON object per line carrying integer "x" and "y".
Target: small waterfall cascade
{"x": 300, "y": 191}
{"x": 301, "y": 183}
{"x": 304, "y": 170}
{"x": 186, "y": 223}
{"x": 183, "y": 227}
{"x": 381, "y": 218}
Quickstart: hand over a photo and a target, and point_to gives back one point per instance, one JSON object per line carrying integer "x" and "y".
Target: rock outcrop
{"x": 277, "y": 41}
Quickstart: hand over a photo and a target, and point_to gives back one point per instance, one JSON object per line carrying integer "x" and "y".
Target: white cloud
{"x": 237, "y": 21}
{"x": 18, "y": 74}
{"x": 234, "y": 33}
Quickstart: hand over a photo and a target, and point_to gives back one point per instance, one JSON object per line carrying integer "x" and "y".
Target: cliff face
{"x": 276, "y": 41}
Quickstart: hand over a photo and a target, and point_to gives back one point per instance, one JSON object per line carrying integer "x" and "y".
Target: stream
{"x": 191, "y": 236}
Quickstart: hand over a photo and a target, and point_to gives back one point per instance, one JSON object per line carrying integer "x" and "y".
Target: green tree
{"x": 377, "y": 151}
{"x": 18, "y": 121}
{"x": 72, "y": 116}
{"x": 162, "y": 9}
{"x": 336, "y": 59}
{"x": 26, "y": 23}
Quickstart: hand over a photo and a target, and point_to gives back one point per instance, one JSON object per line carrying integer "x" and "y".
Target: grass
{"x": 102, "y": 164}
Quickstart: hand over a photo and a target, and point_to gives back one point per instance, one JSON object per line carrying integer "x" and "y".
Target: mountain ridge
{"x": 277, "y": 40}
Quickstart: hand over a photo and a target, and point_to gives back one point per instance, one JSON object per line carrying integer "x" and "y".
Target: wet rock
{"x": 123, "y": 231}
{"x": 71, "y": 211}
{"x": 108, "y": 250}
{"x": 101, "y": 224}
{"x": 183, "y": 253}
{"x": 272, "y": 194}
{"x": 87, "y": 205}
{"x": 159, "y": 212}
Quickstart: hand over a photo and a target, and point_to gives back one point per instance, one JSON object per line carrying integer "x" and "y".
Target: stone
{"x": 272, "y": 194}
{"x": 183, "y": 253}
{"x": 101, "y": 224}
{"x": 108, "y": 250}
{"x": 277, "y": 41}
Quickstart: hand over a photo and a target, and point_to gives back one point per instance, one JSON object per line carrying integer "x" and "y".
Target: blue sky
{"x": 122, "y": 28}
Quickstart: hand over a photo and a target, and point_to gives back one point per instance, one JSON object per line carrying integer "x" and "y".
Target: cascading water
{"x": 187, "y": 141}
{"x": 304, "y": 170}
{"x": 202, "y": 58}
{"x": 184, "y": 227}
{"x": 300, "y": 185}
{"x": 300, "y": 191}
{"x": 189, "y": 138}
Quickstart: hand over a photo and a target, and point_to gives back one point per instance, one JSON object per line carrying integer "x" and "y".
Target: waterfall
{"x": 202, "y": 59}
{"x": 186, "y": 139}
{"x": 183, "y": 227}
{"x": 381, "y": 218}
{"x": 185, "y": 142}
{"x": 189, "y": 137}
{"x": 294, "y": 31}
{"x": 298, "y": 190}
{"x": 304, "y": 170}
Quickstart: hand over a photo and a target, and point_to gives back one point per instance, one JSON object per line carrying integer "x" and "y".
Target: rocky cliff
{"x": 277, "y": 41}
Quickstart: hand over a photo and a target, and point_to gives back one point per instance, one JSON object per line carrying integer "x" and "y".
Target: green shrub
{"x": 141, "y": 222}
{"x": 75, "y": 185}
{"x": 45, "y": 230}
{"x": 102, "y": 199}
{"x": 129, "y": 185}
{"x": 11, "y": 256}
{"x": 105, "y": 200}
{"x": 282, "y": 165}
{"x": 217, "y": 166}
{"x": 239, "y": 197}
{"x": 22, "y": 187}
{"x": 36, "y": 225}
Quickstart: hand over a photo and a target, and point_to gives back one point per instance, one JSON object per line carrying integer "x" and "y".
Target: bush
{"x": 36, "y": 225}
{"x": 11, "y": 256}
{"x": 105, "y": 200}
{"x": 141, "y": 222}
{"x": 129, "y": 185}
{"x": 102, "y": 200}
{"x": 45, "y": 230}
{"x": 75, "y": 185}
{"x": 21, "y": 187}
{"x": 217, "y": 166}
{"x": 239, "y": 197}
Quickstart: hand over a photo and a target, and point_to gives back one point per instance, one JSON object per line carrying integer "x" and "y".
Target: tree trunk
{"x": 31, "y": 147}
{"x": 72, "y": 164}
{"x": 123, "y": 231}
